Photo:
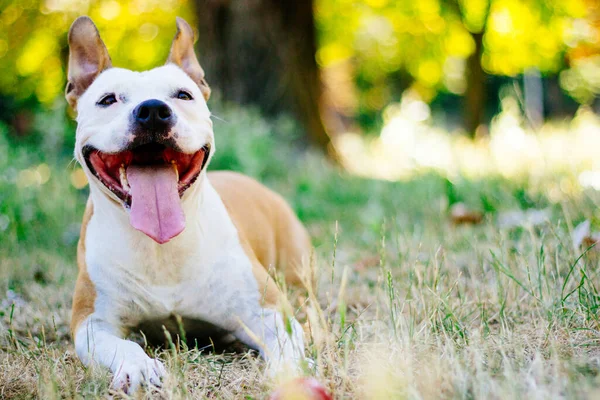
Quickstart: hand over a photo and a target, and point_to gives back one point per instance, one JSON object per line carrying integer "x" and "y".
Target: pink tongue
{"x": 155, "y": 206}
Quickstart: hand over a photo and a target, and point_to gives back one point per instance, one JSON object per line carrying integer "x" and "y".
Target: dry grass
{"x": 452, "y": 312}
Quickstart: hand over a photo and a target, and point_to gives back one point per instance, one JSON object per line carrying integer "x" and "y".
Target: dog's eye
{"x": 184, "y": 95}
{"x": 107, "y": 100}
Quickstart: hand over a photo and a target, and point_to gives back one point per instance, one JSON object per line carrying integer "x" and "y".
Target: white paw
{"x": 137, "y": 371}
{"x": 285, "y": 353}
{"x": 285, "y": 366}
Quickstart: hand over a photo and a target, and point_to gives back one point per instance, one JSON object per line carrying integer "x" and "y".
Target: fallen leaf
{"x": 461, "y": 215}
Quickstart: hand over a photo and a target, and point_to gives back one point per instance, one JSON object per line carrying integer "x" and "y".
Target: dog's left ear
{"x": 182, "y": 54}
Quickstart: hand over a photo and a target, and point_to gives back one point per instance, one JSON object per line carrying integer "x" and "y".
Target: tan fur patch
{"x": 271, "y": 234}
{"x": 85, "y": 292}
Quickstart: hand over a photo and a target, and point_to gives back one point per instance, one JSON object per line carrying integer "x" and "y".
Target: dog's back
{"x": 266, "y": 223}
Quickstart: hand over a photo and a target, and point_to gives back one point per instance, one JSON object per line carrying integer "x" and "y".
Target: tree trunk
{"x": 476, "y": 88}
{"x": 533, "y": 93}
{"x": 262, "y": 52}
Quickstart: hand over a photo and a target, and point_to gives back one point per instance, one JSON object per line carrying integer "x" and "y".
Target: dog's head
{"x": 143, "y": 138}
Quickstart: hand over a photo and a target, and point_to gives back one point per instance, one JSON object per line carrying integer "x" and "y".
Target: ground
{"x": 411, "y": 303}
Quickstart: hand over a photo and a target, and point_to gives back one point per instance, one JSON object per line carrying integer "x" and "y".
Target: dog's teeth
{"x": 174, "y": 164}
{"x": 123, "y": 177}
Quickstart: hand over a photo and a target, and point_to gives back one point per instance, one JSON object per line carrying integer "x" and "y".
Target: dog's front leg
{"x": 280, "y": 344}
{"x": 98, "y": 342}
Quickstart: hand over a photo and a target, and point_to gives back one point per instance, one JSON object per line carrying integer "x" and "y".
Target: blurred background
{"x": 379, "y": 69}
{"x": 462, "y": 90}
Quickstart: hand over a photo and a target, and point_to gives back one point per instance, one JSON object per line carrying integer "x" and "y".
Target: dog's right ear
{"x": 88, "y": 57}
{"x": 182, "y": 54}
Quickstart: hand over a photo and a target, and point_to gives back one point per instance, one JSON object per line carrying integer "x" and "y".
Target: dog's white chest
{"x": 211, "y": 293}
{"x": 203, "y": 274}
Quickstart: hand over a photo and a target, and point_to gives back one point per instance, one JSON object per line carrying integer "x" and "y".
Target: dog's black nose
{"x": 153, "y": 115}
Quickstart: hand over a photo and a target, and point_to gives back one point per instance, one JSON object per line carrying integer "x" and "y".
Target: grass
{"x": 409, "y": 305}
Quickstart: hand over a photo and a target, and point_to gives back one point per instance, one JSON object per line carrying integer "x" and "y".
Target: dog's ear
{"x": 88, "y": 57}
{"x": 182, "y": 54}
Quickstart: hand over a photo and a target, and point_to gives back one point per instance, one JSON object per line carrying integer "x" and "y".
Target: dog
{"x": 162, "y": 240}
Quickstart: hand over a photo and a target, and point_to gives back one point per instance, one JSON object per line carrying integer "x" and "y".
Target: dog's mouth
{"x": 111, "y": 169}
{"x": 149, "y": 180}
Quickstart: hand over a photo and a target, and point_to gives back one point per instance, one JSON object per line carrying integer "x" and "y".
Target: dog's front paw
{"x": 135, "y": 372}
{"x": 285, "y": 366}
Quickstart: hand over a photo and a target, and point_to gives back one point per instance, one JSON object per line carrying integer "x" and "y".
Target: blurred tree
{"x": 263, "y": 52}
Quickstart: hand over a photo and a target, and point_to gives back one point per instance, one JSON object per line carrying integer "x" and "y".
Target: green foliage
{"x": 39, "y": 212}
{"x": 33, "y": 39}
{"x": 582, "y": 80}
{"x": 432, "y": 39}
{"x": 245, "y": 142}
{"x": 390, "y": 45}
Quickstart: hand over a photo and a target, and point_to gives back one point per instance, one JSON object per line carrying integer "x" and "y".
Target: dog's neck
{"x": 208, "y": 229}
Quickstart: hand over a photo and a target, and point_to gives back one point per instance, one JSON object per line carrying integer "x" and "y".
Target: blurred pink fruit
{"x": 301, "y": 389}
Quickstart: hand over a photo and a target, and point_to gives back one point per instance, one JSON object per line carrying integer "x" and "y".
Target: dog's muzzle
{"x": 149, "y": 180}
